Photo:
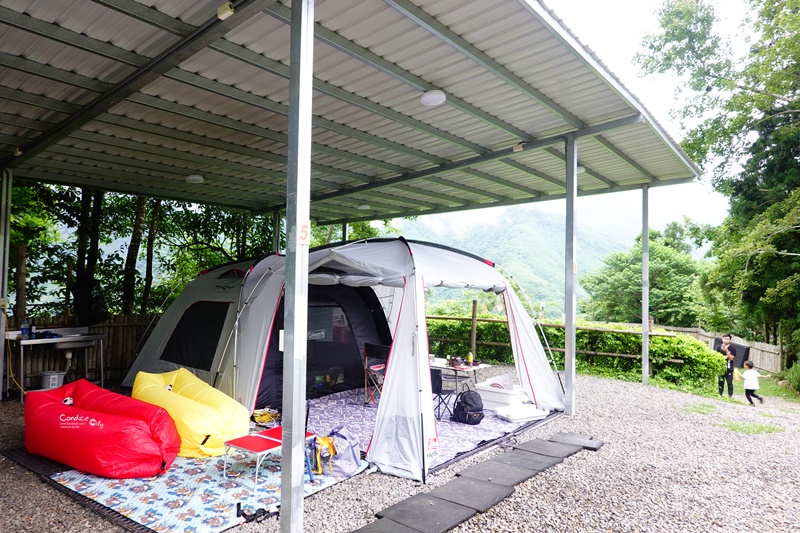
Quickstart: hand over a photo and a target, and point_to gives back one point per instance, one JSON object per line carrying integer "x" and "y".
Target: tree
{"x": 615, "y": 291}
{"x": 747, "y": 117}
{"x": 727, "y": 96}
{"x": 758, "y": 274}
{"x": 129, "y": 272}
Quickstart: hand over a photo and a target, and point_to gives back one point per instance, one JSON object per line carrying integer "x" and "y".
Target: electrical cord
{"x": 11, "y": 358}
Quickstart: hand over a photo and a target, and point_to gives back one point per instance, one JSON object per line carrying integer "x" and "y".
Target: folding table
{"x": 260, "y": 444}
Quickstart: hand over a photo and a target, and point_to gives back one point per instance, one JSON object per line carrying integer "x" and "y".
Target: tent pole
{"x": 298, "y": 238}
{"x": 645, "y": 285}
{"x": 570, "y": 270}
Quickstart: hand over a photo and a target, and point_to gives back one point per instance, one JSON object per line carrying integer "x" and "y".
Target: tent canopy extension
{"x": 225, "y": 329}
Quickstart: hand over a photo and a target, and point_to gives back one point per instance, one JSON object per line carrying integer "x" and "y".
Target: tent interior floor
{"x": 456, "y": 440}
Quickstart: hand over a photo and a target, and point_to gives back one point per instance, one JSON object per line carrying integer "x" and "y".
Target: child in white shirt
{"x": 751, "y": 382}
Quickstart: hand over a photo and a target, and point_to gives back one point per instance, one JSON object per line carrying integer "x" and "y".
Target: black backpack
{"x": 468, "y": 408}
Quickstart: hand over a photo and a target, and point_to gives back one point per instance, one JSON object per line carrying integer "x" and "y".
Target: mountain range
{"x": 527, "y": 244}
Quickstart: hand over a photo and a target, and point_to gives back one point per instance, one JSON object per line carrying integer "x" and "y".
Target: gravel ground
{"x": 670, "y": 463}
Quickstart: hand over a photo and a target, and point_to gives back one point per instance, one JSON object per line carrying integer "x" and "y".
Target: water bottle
{"x": 25, "y": 330}
{"x": 33, "y": 332}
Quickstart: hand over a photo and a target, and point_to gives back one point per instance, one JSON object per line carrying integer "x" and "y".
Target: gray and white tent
{"x": 224, "y": 327}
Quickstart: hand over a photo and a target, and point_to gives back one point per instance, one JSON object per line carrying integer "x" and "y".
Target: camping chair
{"x": 376, "y": 357}
{"x": 443, "y": 387}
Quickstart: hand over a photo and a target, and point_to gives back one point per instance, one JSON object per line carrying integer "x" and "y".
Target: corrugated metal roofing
{"x": 512, "y": 73}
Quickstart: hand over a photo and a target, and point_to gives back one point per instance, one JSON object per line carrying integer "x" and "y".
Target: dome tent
{"x": 398, "y": 272}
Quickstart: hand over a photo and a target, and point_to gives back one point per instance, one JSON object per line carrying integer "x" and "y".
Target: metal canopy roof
{"x": 133, "y": 96}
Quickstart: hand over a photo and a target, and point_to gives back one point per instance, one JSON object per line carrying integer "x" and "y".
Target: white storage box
{"x": 500, "y": 392}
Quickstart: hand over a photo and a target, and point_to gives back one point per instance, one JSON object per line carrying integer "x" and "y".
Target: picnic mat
{"x": 191, "y": 497}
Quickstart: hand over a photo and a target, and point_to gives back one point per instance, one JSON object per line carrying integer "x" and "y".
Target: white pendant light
{"x": 195, "y": 178}
{"x": 432, "y": 98}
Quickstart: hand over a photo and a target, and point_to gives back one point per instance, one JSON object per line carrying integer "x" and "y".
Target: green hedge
{"x": 700, "y": 368}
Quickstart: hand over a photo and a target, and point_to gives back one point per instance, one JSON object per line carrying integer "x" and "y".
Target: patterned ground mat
{"x": 455, "y": 439}
{"x": 192, "y": 496}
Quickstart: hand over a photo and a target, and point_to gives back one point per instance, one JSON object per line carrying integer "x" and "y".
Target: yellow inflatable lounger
{"x": 205, "y": 417}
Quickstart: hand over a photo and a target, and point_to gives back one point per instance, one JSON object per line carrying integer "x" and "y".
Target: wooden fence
{"x": 125, "y": 335}
{"x": 764, "y": 356}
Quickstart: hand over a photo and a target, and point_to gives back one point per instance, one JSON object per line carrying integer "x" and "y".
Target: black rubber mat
{"x": 529, "y": 460}
{"x": 552, "y": 449}
{"x": 578, "y": 439}
{"x": 427, "y": 514}
{"x": 497, "y": 472}
{"x": 45, "y": 468}
{"x": 385, "y": 525}
{"x": 35, "y": 463}
{"x": 475, "y": 493}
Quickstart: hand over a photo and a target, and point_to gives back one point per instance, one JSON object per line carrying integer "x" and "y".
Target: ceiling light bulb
{"x": 195, "y": 178}
{"x": 580, "y": 169}
{"x": 432, "y": 98}
{"x": 363, "y": 207}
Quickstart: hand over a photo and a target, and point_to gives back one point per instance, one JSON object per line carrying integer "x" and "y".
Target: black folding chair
{"x": 376, "y": 357}
{"x": 443, "y": 387}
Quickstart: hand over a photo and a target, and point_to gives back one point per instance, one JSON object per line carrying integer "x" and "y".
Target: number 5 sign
{"x": 304, "y": 235}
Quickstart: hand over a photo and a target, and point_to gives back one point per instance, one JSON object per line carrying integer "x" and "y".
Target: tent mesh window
{"x": 194, "y": 340}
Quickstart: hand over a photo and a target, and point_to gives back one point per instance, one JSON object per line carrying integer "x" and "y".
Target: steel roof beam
{"x": 150, "y": 149}
{"x": 588, "y": 171}
{"x": 617, "y": 152}
{"x": 246, "y": 55}
{"x": 364, "y": 55}
{"x": 37, "y": 100}
{"x": 234, "y": 93}
{"x": 465, "y": 188}
{"x": 77, "y": 40}
{"x": 51, "y": 73}
{"x": 444, "y": 33}
{"x": 532, "y": 171}
{"x": 235, "y": 125}
{"x": 171, "y": 57}
{"x": 503, "y": 182}
{"x": 124, "y": 184}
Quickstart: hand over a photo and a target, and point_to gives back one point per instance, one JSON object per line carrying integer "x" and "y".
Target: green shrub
{"x": 793, "y": 376}
{"x": 452, "y": 337}
{"x": 699, "y": 371}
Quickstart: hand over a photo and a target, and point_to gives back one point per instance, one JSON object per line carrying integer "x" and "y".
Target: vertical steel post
{"x": 645, "y": 285}
{"x": 344, "y": 231}
{"x": 298, "y": 238}
{"x": 276, "y": 231}
{"x": 570, "y": 271}
{"x": 5, "y": 239}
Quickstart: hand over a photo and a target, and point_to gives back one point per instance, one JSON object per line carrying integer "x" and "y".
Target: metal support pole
{"x": 645, "y": 286}
{"x": 298, "y": 238}
{"x": 5, "y": 239}
{"x": 344, "y": 231}
{"x": 276, "y": 231}
{"x": 570, "y": 271}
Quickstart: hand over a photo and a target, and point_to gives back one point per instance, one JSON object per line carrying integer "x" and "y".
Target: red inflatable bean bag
{"x": 100, "y": 432}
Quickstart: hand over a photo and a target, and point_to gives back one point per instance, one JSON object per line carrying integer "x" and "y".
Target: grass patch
{"x": 767, "y": 415}
{"x": 700, "y": 408}
{"x": 751, "y": 429}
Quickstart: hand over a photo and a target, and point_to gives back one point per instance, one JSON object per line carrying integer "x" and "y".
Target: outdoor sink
{"x": 67, "y": 344}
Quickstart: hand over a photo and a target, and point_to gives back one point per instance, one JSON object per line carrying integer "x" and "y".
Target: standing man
{"x": 729, "y": 352}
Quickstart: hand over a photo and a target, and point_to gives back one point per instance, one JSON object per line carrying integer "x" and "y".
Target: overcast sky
{"x": 613, "y": 29}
